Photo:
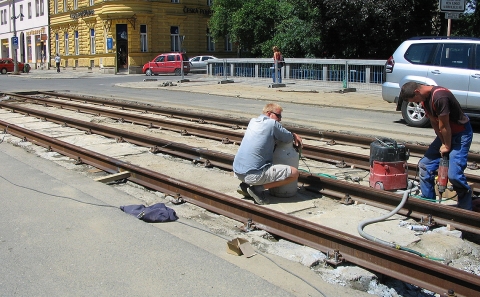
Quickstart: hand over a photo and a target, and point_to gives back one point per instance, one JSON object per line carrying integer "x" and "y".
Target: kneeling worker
{"x": 253, "y": 161}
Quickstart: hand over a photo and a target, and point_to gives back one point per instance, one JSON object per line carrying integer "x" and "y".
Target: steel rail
{"x": 321, "y": 154}
{"x": 406, "y": 267}
{"x": 416, "y": 208}
{"x": 234, "y": 122}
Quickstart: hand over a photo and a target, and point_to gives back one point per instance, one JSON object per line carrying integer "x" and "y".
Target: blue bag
{"x": 156, "y": 213}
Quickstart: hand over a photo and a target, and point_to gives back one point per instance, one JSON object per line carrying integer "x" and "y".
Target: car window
{"x": 171, "y": 58}
{"x": 160, "y": 59}
{"x": 455, "y": 55}
{"x": 420, "y": 53}
{"x": 195, "y": 59}
{"x": 206, "y": 58}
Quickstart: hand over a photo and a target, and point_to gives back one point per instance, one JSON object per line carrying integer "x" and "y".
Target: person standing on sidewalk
{"x": 277, "y": 65}
{"x": 253, "y": 162}
{"x": 57, "y": 62}
{"x": 454, "y": 137}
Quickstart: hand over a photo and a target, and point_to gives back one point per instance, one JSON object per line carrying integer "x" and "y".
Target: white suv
{"x": 453, "y": 63}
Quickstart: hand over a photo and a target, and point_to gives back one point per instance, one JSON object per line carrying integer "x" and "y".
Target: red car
{"x": 167, "y": 63}
{"x": 7, "y": 65}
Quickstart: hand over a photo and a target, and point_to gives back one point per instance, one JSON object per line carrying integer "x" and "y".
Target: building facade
{"x": 122, "y": 35}
{"x": 27, "y": 20}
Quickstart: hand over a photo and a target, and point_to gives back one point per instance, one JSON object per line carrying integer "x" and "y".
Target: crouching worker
{"x": 253, "y": 161}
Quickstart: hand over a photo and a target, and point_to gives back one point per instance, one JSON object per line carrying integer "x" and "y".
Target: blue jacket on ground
{"x": 258, "y": 143}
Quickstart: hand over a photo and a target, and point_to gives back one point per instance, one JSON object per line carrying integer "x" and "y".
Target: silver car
{"x": 453, "y": 63}
{"x": 199, "y": 63}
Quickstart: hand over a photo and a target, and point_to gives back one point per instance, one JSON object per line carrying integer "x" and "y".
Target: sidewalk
{"x": 295, "y": 91}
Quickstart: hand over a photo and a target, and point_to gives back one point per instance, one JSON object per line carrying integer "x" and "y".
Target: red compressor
{"x": 388, "y": 165}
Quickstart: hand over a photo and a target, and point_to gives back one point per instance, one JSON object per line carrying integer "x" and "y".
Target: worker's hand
{"x": 297, "y": 141}
{"x": 444, "y": 150}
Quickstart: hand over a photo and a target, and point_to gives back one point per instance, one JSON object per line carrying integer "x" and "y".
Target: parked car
{"x": 7, "y": 65}
{"x": 167, "y": 63}
{"x": 449, "y": 62}
{"x": 200, "y": 62}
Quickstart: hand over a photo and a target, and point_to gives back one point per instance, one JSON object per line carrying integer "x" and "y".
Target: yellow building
{"x": 122, "y": 35}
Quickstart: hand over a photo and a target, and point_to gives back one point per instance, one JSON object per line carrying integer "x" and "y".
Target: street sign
{"x": 452, "y": 5}
{"x": 109, "y": 43}
{"x": 452, "y": 15}
{"x": 14, "y": 42}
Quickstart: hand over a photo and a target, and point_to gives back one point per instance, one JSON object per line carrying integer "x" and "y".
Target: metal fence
{"x": 337, "y": 73}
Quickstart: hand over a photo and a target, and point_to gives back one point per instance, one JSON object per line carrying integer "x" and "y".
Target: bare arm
{"x": 445, "y": 133}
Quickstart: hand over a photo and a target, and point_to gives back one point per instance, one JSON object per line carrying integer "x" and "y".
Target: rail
{"x": 332, "y": 73}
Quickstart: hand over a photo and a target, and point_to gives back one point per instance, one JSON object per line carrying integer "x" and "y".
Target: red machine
{"x": 388, "y": 165}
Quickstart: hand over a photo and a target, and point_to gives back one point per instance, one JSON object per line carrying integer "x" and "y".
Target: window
{"x": 21, "y": 12}
{"x": 143, "y": 38}
{"x": 228, "y": 43}
{"x": 42, "y": 5}
{"x": 92, "y": 41}
{"x": 210, "y": 42}
{"x": 175, "y": 1}
{"x": 75, "y": 4}
{"x": 37, "y": 8}
{"x": 92, "y": 2}
{"x": 57, "y": 44}
{"x": 421, "y": 53}
{"x": 2, "y": 17}
{"x": 175, "y": 39}
{"x": 77, "y": 48}
{"x": 65, "y": 44}
{"x": 171, "y": 58}
{"x": 64, "y": 5}
{"x": 55, "y": 6}
{"x": 160, "y": 59}
{"x": 209, "y": 2}
{"x": 29, "y": 10}
{"x": 453, "y": 55}
{"x": 477, "y": 57}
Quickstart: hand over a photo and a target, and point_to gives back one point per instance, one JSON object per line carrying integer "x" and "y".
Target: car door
{"x": 158, "y": 64}
{"x": 450, "y": 69}
{"x": 195, "y": 62}
{"x": 171, "y": 63}
{"x": 473, "y": 98}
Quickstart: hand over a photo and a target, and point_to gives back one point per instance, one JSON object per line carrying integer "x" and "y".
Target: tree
{"x": 469, "y": 22}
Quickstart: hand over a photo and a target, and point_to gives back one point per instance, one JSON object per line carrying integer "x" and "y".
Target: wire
{"x": 260, "y": 253}
{"x": 58, "y": 196}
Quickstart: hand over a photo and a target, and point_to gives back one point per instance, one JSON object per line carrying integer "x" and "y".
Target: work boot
{"x": 258, "y": 193}
{"x": 242, "y": 189}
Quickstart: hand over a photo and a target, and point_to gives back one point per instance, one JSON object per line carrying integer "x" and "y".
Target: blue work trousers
{"x": 458, "y": 162}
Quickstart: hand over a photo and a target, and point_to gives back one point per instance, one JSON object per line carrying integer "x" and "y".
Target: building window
{"x": 64, "y": 5}
{"x": 77, "y": 48}
{"x": 143, "y": 38}
{"x": 175, "y": 39}
{"x": 228, "y": 43}
{"x": 209, "y": 2}
{"x": 92, "y": 2}
{"x": 75, "y": 4}
{"x": 29, "y": 10}
{"x": 2, "y": 17}
{"x": 37, "y": 8}
{"x": 210, "y": 42}
{"x": 175, "y": 1}
{"x": 42, "y": 5}
{"x": 57, "y": 44}
{"x": 21, "y": 12}
{"x": 55, "y": 6}
{"x": 92, "y": 41}
{"x": 66, "y": 44}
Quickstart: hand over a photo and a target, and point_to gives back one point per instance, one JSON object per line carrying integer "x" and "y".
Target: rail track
{"x": 412, "y": 269}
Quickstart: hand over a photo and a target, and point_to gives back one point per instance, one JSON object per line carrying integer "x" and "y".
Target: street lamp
{"x": 15, "y": 39}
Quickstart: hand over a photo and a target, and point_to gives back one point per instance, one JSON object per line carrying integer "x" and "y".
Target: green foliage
{"x": 322, "y": 28}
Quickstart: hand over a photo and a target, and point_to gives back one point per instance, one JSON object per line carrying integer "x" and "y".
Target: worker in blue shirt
{"x": 253, "y": 161}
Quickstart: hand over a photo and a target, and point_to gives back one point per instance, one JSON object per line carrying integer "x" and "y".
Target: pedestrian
{"x": 277, "y": 65}
{"x": 57, "y": 62}
{"x": 253, "y": 162}
{"x": 454, "y": 137}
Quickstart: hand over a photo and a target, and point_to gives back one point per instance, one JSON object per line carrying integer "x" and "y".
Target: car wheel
{"x": 148, "y": 72}
{"x": 4, "y": 70}
{"x": 178, "y": 72}
{"x": 414, "y": 115}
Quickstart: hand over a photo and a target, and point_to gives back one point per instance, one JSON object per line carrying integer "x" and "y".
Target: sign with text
{"x": 452, "y": 15}
{"x": 14, "y": 42}
{"x": 452, "y": 5}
